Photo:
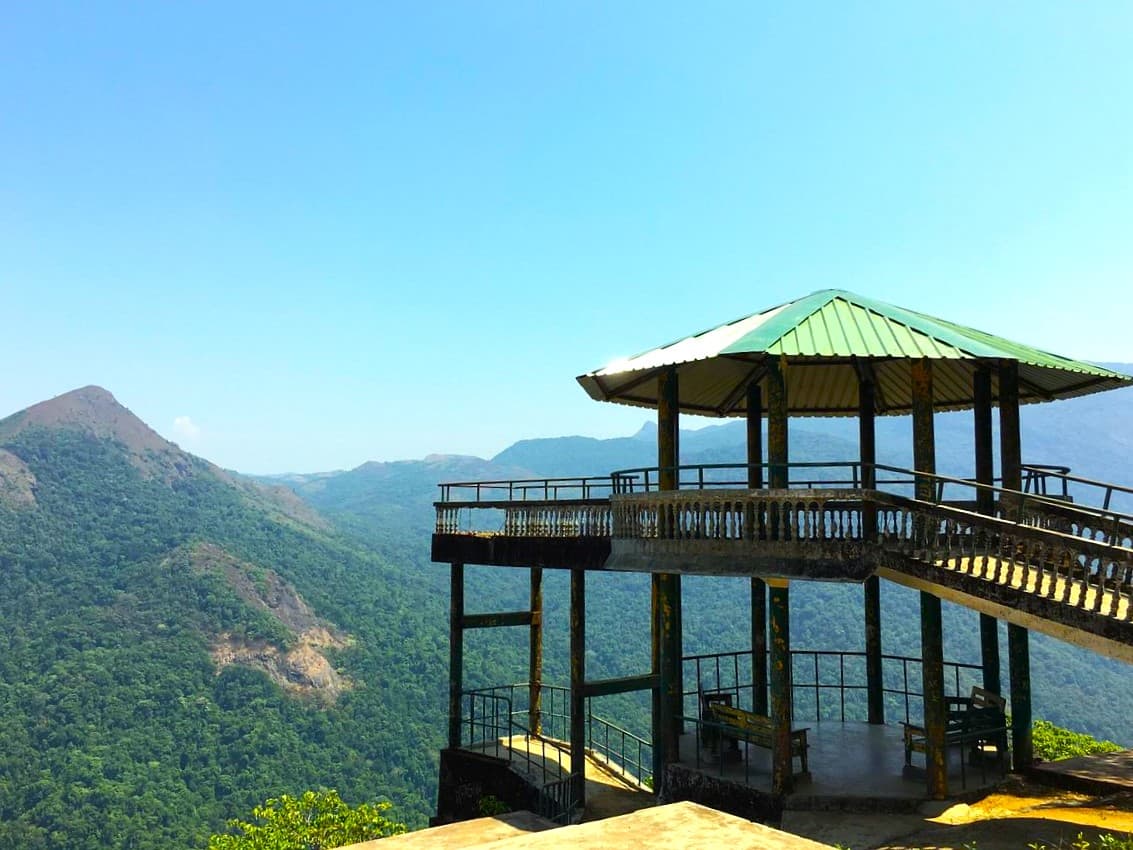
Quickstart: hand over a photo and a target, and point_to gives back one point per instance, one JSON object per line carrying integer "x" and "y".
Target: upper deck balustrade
{"x": 824, "y": 501}
{"x": 1035, "y": 550}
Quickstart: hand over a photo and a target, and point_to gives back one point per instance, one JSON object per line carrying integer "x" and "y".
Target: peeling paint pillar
{"x": 777, "y": 441}
{"x": 666, "y": 594}
{"x": 989, "y": 654}
{"x": 867, "y": 443}
{"x": 759, "y": 645}
{"x": 668, "y": 429}
{"x": 932, "y": 636}
{"x": 985, "y": 504}
{"x": 657, "y": 732}
{"x": 535, "y": 654}
{"x": 577, "y": 685}
{"x": 867, "y": 453}
{"x": 455, "y": 652}
{"x": 779, "y": 599}
{"x": 669, "y": 600}
{"x": 875, "y": 693}
{"x": 752, "y": 522}
{"x": 1010, "y": 448}
{"x": 924, "y": 434}
{"x": 781, "y": 776}
{"x": 1018, "y": 640}
{"x": 1019, "y": 665}
{"x": 935, "y": 712}
{"x": 981, "y": 418}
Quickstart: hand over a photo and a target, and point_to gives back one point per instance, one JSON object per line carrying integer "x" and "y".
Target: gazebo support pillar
{"x": 781, "y": 776}
{"x": 932, "y": 638}
{"x": 1018, "y": 640}
{"x": 578, "y": 686}
{"x": 535, "y": 654}
{"x": 985, "y": 504}
{"x": 780, "y": 621}
{"x": 759, "y": 645}
{"x": 989, "y": 653}
{"x": 1010, "y": 448}
{"x": 875, "y": 692}
{"x": 666, "y": 595}
{"x": 758, "y": 586}
{"x": 668, "y": 599}
{"x": 935, "y": 713}
{"x": 455, "y": 652}
{"x": 867, "y": 442}
{"x": 777, "y": 443}
{"x": 1019, "y": 665}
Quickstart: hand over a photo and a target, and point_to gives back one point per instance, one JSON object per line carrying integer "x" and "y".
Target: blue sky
{"x": 297, "y": 236}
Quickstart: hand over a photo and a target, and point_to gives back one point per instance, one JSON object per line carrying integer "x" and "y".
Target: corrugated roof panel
{"x": 833, "y": 327}
{"x": 820, "y": 336}
{"x": 843, "y": 327}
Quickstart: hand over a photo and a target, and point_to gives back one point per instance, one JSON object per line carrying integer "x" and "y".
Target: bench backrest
{"x": 982, "y": 698}
{"x": 757, "y": 725}
{"x": 741, "y": 719}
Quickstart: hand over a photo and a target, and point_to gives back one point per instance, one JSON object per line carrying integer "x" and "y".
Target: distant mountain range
{"x": 1090, "y": 434}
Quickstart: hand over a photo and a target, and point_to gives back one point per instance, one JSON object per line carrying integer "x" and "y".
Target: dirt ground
{"x": 1014, "y": 817}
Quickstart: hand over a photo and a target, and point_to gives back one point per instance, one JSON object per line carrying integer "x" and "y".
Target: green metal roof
{"x": 827, "y": 340}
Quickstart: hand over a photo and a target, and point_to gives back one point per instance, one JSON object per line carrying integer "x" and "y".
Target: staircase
{"x": 1061, "y": 569}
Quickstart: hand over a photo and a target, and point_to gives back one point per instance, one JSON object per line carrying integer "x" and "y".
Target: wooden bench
{"x": 978, "y": 722}
{"x": 756, "y": 729}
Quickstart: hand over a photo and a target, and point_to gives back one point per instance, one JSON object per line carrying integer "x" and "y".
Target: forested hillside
{"x": 178, "y": 646}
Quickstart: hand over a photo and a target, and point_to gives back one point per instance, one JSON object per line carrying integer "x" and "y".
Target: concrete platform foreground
{"x": 468, "y": 833}
{"x": 681, "y": 826}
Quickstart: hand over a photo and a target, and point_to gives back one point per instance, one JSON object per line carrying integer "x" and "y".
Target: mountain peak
{"x": 647, "y": 432}
{"x": 92, "y": 410}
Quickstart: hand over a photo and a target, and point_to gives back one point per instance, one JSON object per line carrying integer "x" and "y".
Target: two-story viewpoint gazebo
{"x": 1036, "y": 561}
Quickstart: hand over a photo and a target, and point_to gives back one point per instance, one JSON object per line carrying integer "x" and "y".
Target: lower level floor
{"x": 851, "y": 766}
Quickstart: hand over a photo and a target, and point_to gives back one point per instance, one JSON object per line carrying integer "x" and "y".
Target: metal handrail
{"x": 704, "y": 730}
{"x": 557, "y": 801}
{"x": 903, "y": 687}
{"x": 1040, "y": 473}
{"x": 637, "y": 768}
{"x": 591, "y": 518}
{"x": 554, "y": 729}
{"x": 528, "y": 489}
{"x": 1021, "y": 499}
{"x": 1035, "y": 476}
{"x": 1018, "y": 500}
{"x": 709, "y": 476}
{"x": 700, "y": 476}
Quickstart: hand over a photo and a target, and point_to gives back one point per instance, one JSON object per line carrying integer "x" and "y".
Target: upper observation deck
{"x": 1054, "y": 551}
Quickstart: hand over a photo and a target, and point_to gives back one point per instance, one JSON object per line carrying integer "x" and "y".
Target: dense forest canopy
{"x": 120, "y": 729}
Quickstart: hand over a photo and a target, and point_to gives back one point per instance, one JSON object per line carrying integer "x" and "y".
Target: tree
{"x": 319, "y": 820}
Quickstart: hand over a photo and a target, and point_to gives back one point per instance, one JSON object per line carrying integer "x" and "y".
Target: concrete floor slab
{"x": 849, "y": 762}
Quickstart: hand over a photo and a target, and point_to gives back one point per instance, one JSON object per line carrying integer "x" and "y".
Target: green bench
{"x": 977, "y": 723}
{"x": 756, "y": 729}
